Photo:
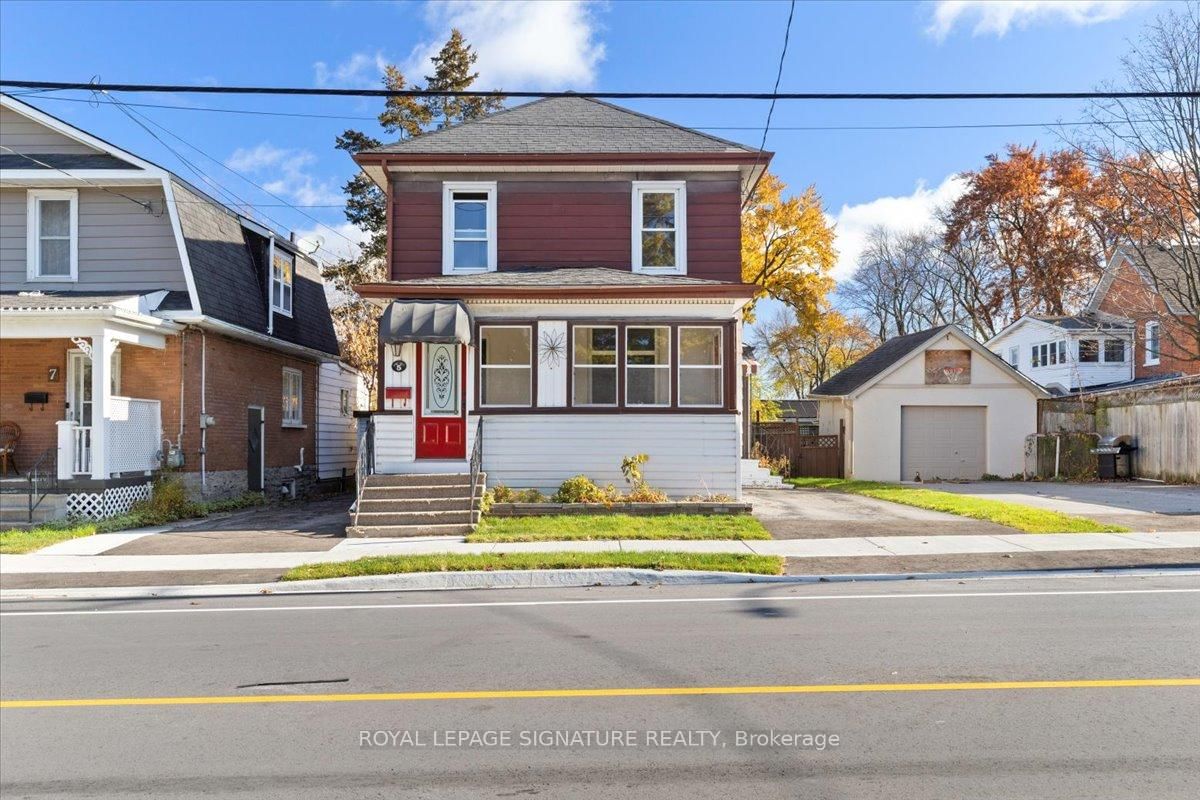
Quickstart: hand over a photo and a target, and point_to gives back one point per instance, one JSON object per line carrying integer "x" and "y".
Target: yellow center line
{"x": 650, "y": 691}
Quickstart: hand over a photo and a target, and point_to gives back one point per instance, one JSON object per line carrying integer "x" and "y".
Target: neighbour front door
{"x": 441, "y": 412}
{"x": 79, "y": 388}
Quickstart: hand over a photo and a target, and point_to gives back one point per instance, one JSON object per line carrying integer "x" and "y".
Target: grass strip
{"x": 489, "y": 562}
{"x": 584, "y": 527}
{"x": 1013, "y": 515}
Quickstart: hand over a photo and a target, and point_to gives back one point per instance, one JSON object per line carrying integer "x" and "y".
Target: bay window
{"x": 468, "y": 227}
{"x": 647, "y": 366}
{"x": 52, "y": 240}
{"x": 659, "y": 227}
{"x": 505, "y": 365}
{"x": 594, "y": 366}
{"x": 700, "y": 368}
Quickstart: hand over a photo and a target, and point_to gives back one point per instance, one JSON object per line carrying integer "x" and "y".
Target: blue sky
{"x": 865, "y": 177}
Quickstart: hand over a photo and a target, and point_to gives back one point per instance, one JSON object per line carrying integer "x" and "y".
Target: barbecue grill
{"x": 1114, "y": 457}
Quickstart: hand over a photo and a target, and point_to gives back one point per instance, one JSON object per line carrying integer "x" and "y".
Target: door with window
{"x": 441, "y": 412}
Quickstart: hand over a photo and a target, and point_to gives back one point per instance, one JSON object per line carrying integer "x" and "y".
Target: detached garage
{"x": 930, "y": 405}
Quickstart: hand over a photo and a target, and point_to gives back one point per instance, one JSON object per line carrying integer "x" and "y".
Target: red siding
{"x": 544, "y": 223}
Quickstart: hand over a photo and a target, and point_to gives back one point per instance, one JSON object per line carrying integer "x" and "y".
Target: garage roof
{"x": 875, "y": 362}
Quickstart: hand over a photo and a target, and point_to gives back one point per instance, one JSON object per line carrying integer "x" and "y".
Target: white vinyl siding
{"x": 293, "y": 398}
{"x": 1074, "y": 372}
{"x": 660, "y": 227}
{"x": 341, "y": 391}
{"x": 468, "y": 227}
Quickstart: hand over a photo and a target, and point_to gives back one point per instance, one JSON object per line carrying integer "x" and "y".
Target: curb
{"x": 547, "y": 579}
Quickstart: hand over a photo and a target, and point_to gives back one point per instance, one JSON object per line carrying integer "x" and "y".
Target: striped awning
{"x": 444, "y": 321}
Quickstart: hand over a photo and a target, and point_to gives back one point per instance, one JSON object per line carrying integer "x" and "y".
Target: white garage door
{"x": 943, "y": 442}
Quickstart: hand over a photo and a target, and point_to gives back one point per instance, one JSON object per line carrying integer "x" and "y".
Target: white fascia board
{"x": 180, "y": 243}
{"x": 15, "y": 178}
{"x": 562, "y": 168}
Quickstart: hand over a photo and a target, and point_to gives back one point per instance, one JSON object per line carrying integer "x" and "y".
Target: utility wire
{"x": 146, "y": 205}
{"x": 787, "y": 34}
{"x": 333, "y": 92}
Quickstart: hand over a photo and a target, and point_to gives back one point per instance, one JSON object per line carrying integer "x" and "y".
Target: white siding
{"x": 394, "y": 440}
{"x": 689, "y": 453}
{"x": 1071, "y": 375}
{"x": 335, "y": 431}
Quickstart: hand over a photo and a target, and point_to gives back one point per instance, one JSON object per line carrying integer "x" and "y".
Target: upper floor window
{"x": 1048, "y": 354}
{"x": 293, "y": 398}
{"x": 468, "y": 227}
{"x": 52, "y": 243}
{"x": 1013, "y": 355}
{"x": 283, "y": 267}
{"x": 1152, "y": 344}
{"x": 659, "y": 226}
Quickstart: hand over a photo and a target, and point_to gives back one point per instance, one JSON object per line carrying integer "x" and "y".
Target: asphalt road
{"x": 936, "y": 717}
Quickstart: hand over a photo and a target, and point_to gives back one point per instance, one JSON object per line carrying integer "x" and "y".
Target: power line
{"x": 555, "y": 125}
{"x": 146, "y": 205}
{"x": 787, "y": 34}
{"x": 333, "y": 92}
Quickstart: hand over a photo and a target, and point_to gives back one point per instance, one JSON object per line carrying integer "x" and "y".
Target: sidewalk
{"x": 86, "y": 555}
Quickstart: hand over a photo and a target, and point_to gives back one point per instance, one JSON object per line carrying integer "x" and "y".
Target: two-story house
{"x": 565, "y": 290}
{"x": 144, "y": 324}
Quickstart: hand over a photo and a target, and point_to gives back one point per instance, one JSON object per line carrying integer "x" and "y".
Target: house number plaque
{"x": 399, "y": 365}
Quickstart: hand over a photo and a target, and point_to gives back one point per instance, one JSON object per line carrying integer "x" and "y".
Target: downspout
{"x": 203, "y": 411}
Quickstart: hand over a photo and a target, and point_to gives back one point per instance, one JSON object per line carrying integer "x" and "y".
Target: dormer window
{"x": 468, "y": 227}
{"x": 283, "y": 267}
{"x": 52, "y": 244}
{"x": 660, "y": 227}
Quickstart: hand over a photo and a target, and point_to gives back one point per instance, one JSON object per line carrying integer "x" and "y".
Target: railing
{"x": 132, "y": 435}
{"x": 476, "y": 466}
{"x": 81, "y": 459}
{"x": 43, "y": 478}
{"x": 365, "y": 464}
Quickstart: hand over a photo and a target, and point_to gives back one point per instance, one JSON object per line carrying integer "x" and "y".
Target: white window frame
{"x": 345, "y": 403}
{"x": 298, "y": 420}
{"x": 615, "y": 366}
{"x": 33, "y": 241}
{"x": 448, "y": 190}
{"x": 624, "y": 348}
{"x": 1014, "y": 356}
{"x": 528, "y": 366}
{"x": 679, "y": 188}
{"x": 288, "y": 288}
{"x": 1153, "y": 357}
{"x": 719, "y": 367}
{"x": 1104, "y": 350}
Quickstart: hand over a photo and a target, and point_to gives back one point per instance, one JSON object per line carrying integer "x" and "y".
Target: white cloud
{"x": 908, "y": 213}
{"x": 527, "y": 44}
{"x": 359, "y": 71}
{"x": 286, "y": 172}
{"x": 998, "y": 16}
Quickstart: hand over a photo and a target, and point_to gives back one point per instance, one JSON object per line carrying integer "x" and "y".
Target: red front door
{"x": 441, "y": 411}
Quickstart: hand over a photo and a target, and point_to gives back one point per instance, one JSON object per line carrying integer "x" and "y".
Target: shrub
{"x": 642, "y": 493}
{"x": 631, "y": 468}
{"x": 581, "y": 489}
{"x": 168, "y": 502}
{"x": 502, "y": 494}
{"x": 529, "y": 496}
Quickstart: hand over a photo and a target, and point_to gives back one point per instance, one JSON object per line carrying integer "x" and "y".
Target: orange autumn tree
{"x": 1045, "y": 219}
{"x": 787, "y": 248}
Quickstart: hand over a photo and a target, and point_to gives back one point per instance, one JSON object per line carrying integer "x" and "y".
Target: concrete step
{"x": 413, "y": 504}
{"x": 426, "y": 479}
{"x": 391, "y": 518}
{"x": 389, "y": 531}
{"x": 419, "y": 492}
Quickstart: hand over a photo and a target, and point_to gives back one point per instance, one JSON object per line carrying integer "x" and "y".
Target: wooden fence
{"x": 1163, "y": 418}
{"x": 809, "y": 456}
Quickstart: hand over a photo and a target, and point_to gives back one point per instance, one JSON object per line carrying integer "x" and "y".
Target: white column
{"x": 103, "y": 347}
{"x": 66, "y": 449}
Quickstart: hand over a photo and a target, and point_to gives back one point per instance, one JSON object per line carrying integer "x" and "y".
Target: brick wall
{"x": 25, "y": 367}
{"x": 1128, "y": 296}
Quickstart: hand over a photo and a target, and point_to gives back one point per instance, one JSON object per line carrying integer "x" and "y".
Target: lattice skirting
{"x": 107, "y": 503}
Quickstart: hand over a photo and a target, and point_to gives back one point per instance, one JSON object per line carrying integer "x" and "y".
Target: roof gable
{"x": 29, "y": 132}
{"x": 565, "y": 125}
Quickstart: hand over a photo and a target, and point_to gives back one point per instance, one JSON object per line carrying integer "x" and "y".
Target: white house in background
{"x": 341, "y": 391}
{"x": 1068, "y": 353}
{"x": 933, "y": 404}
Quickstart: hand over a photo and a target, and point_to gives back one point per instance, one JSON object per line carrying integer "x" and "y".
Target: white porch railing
{"x": 132, "y": 435}
{"x": 81, "y": 458}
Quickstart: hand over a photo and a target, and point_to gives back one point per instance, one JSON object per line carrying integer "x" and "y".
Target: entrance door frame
{"x": 419, "y": 402}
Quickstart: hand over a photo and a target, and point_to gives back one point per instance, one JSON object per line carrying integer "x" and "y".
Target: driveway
{"x": 296, "y": 527}
{"x": 818, "y": 514}
{"x": 1140, "y": 506}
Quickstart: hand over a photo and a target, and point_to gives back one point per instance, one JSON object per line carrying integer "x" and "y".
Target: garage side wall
{"x": 1010, "y": 410}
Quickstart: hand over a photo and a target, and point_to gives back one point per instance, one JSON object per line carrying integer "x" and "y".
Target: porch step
{"x": 391, "y": 503}
{"x": 396, "y": 531}
{"x": 419, "y": 492}
{"x": 422, "y": 479}
{"x": 758, "y": 477}
{"x": 389, "y": 518}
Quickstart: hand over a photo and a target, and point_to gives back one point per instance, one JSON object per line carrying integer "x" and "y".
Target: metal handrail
{"x": 476, "y": 463}
{"x": 365, "y": 465}
{"x": 41, "y": 482}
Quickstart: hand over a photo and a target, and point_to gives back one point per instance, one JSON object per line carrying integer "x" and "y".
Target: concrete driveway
{"x": 818, "y": 514}
{"x": 1140, "y": 506}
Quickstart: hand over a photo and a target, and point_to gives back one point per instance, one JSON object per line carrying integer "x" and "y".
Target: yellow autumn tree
{"x": 787, "y": 248}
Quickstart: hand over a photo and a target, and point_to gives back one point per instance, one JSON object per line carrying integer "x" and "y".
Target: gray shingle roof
{"x": 231, "y": 276}
{"x": 63, "y": 161}
{"x": 1086, "y": 322}
{"x": 81, "y": 301}
{"x": 565, "y": 125}
{"x": 559, "y": 276}
{"x": 875, "y": 362}
{"x": 798, "y": 409}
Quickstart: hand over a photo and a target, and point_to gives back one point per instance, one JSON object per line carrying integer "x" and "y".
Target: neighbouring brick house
{"x": 144, "y": 324}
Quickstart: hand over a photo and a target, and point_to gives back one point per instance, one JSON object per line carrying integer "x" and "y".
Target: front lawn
{"x": 1014, "y": 515}
{"x": 488, "y": 562}
{"x": 574, "y": 527}
{"x": 19, "y": 541}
